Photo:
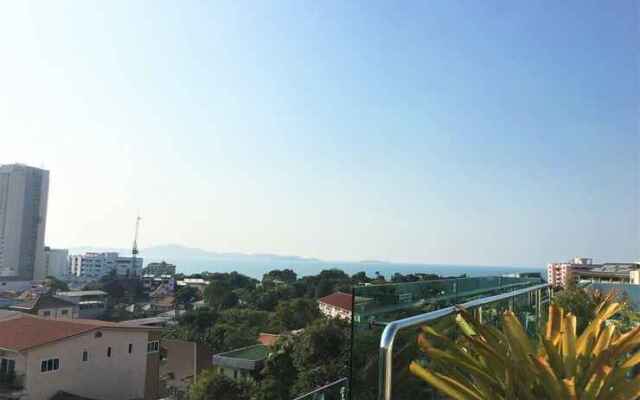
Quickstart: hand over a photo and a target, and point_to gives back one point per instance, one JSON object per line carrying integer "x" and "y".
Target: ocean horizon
{"x": 256, "y": 269}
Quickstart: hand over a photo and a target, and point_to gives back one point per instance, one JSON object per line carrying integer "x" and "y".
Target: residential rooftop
{"x": 254, "y": 353}
{"x": 342, "y": 300}
{"x": 80, "y": 293}
{"x": 24, "y": 331}
{"x": 42, "y": 301}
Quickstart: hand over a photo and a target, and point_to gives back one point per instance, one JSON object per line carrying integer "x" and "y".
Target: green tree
{"x": 226, "y": 337}
{"x": 279, "y": 373}
{"x": 360, "y": 277}
{"x": 187, "y": 295}
{"x": 321, "y": 354}
{"x": 193, "y": 326}
{"x": 211, "y": 385}
{"x": 285, "y": 275}
{"x": 217, "y": 293}
{"x": 55, "y": 285}
{"x": 295, "y": 314}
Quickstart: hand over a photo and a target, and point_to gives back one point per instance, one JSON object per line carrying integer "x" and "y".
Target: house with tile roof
{"x": 339, "y": 305}
{"x": 48, "y": 306}
{"x": 336, "y": 305}
{"x": 85, "y": 358}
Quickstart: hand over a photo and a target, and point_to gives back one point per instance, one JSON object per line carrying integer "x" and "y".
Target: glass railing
{"x": 338, "y": 390}
{"x": 393, "y": 314}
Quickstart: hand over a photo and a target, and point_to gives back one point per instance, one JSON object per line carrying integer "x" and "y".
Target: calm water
{"x": 303, "y": 268}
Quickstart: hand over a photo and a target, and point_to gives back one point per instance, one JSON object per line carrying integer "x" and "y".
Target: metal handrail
{"x": 392, "y": 329}
{"x": 323, "y": 388}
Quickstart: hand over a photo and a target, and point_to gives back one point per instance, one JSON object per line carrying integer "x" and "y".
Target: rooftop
{"x": 43, "y": 301}
{"x": 24, "y": 331}
{"x": 339, "y": 300}
{"x": 256, "y": 352}
{"x": 268, "y": 339}
{"x": 80, "y": 293}
{"x": 5, "y": 314}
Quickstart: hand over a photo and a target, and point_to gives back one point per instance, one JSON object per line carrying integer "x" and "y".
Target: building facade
{"x": 337, "y": 305}
{"x": 56, "y": 263}
{"x": 241, "y": 364}
{"x": 92, "y": 359}
{"x": 97, "y": 265}
{"x": 24, "y": 195}
{"x": 160, "y": 269}
{"x": 91, "y": 303}
{"x": 181, "y": 365}
{"x": 48, "y": 306}
{"x": 583, "y": 270}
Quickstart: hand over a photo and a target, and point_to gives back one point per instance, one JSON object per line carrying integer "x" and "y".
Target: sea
{"x": 256, "y": 269}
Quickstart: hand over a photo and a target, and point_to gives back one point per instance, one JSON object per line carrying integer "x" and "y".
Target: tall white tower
{"x": 24, "y": 193}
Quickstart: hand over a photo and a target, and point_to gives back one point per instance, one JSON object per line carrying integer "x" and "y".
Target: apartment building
{"x": 24, "y": 195}
{"x": 97, "y": 265}
{"x": 160, "y": 268}
{"x": 584, "y": 270}
{"x": 86, "y": 358}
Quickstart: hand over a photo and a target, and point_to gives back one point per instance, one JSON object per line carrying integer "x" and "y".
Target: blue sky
{"x": 440, "y": 131}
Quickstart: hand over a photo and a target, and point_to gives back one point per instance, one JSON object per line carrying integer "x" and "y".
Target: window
{"x": 130, "y": 348}
{"x": 235, "y": 374}
{"x": 7, "y": 365}
{"x": 85, "y": 355}
{"x": 153, "y": 347}
{"x": 109, "y": 351}
{"x": 52, "y": 364}
{"x": 47, "y": 313}
{"x": 64, "y": 312}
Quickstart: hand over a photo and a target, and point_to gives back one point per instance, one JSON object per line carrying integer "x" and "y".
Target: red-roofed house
{"x": 336, "y": 305}
{"x": 93, "y": 359}
{"x": 268, "y": 339}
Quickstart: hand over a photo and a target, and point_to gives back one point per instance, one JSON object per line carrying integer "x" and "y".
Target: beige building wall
{"x": 119, "y": 377}
{"x": 634, "y": 277}
{"x": 334, "y": 312}
{"x": 59, "y": 313}
{"x": 152, "y": 373}
{"x": 184, "y": 361}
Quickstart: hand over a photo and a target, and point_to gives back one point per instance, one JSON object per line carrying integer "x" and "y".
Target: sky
{"x": 462, "y": 132}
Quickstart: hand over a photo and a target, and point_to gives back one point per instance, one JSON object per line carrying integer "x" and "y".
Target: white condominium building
{"x": 97, "y": 265}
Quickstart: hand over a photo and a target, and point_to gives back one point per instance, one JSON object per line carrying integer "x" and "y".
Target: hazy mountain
{"x": 176, "y": 252}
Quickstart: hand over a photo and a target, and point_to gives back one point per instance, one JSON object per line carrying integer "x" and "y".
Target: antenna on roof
{"x": 134, "y": 249}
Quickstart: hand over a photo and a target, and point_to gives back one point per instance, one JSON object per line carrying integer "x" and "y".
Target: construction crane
{"x": 134, "y": 249}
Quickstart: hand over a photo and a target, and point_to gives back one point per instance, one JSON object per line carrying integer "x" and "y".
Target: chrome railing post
{"x": 385, "y": 363}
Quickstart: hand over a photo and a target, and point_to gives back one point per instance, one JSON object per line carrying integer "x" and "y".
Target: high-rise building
{"x": 56, "y": 264}
{"x": 24, "y": 193}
